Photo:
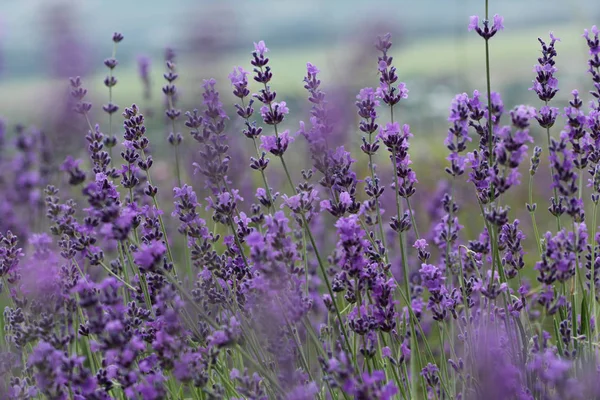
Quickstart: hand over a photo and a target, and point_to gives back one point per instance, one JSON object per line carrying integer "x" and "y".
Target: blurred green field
{"x": 424, "y": 65}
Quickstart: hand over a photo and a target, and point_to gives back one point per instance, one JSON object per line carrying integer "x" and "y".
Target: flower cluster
{"x": 218, "y": 288}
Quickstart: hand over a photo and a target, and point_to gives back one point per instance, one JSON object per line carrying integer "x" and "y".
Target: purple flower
{"x": 370, "y": 386}
{"x": 389, "y": 94}
{"x": 261, "y": 48}
{"x": 71, "y": 166}
{"x": 545, "y": 84}
{"x": 303, "y": 392}
{"x": 396, "y": 141}
{"x": 431, "y": 375}
{"x": 487, "y": 32}
{"x": 509, "y": 243}
{"x": 458, "y": 134}
{"x": 511, "y": 148}
{"x": 594, "y": 63}
{"x": 345, "y": 199}
{"x": 239, "y": 80}
{"x": 473, "y": 22}
{"x": 148, "y": 255}
{"x": 386, "y": 352}
{"x": 593, "y": 42}
{"x": 277, "y": 145}
{"x": 312, "y": 69}
{"x": 208, "y": 130}
{"x": 239, "y": 75}
{"x": 432, "y": 277}
{"x": 301, "y": 202}
{"x": 498, "y": 22}
{"x": 367, "y": 110}
{"x": 546, "y": 116}
{"x": 558, "y": 259}
{"x": 274, "y": 113}
{"x": 351, "y": 245}
{"x": 420, "y": 244}
{"x": 368, "y": 94}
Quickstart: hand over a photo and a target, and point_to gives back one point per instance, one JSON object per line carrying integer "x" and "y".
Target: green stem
{"x": 160, "y": 220}
{"x": 262, "y": 172}
{"x": 552, "y": 174}
{"x": 412, "y": 218}
{"x": 535, "y": 228}
{"x": 377, "y": 208}
{"x": 238, "y": 242}
{"x": 328, "y": 284}
{"x": 176, "y": 144}
{"x": 107, "y": 269}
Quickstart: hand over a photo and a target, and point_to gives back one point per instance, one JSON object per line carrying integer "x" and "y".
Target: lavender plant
{"x": 131, "y": 290}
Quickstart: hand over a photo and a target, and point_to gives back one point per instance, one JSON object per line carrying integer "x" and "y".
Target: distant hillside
{"x": 30, "y": 29}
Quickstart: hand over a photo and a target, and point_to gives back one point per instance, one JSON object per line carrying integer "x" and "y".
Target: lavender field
{"x": 402, "y": 215}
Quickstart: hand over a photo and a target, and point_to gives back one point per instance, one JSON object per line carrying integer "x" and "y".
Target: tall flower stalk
{"x": 546, "y": 86}
{"x": 172, "y": 113}
{"x": 110, "y": 81}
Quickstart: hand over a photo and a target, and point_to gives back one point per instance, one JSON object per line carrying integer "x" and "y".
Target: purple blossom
{"x": 387, "y": 91}
{"x": 149, "y": 254}
{"x": 71, "y": 166}
{"x": 558, "y": 259}
{"x": 351, "y": 245}
{"x": 239, "y": 80}
{"x": 312, "y": 69}
{"x": 473, "y": 22}
{"x": 420, "y": 244}
{"x": 301, "y": 202}
{"x": 261, "y": 48}
{"x": 274, "y": 113}
{"x": 396, "y": 141}
{"x": 487, "y": 32}
{"x": 594, "y": 62}
{"x": 458, "y": 134}
{"x": 277, "y": 145}
{"x": 370, "y": 386}
{"x": 509, "y": 243}
{"x": 593, "y": 42}
{"x": 432, "y": 277}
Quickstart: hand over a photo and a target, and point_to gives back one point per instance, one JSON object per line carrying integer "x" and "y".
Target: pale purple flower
{"x": 238, "y": 76}
{"x": 149, "y": 254}
{"x": 487, "y": 32}
{"x": 593, "y": 42}
{"x": 261, "y": 48}
{"x": 277, "y": 145}
{"x": 421, "y": 244}
{"x": 498, "y": 22}
{"x": 473, "y": 22}
{"x": 312, "y": 69}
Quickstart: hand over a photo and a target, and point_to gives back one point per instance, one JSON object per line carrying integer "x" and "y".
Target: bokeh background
{"x": 43, "y": 42}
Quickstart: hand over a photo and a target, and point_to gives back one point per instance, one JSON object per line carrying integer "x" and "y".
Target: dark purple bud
{"x": 110, "y": 108}
{"x": 401, "y": 225}
{"x": 111, "y": 63}
{"x": 110, "y": 81}
{"x": 117, "y": 37}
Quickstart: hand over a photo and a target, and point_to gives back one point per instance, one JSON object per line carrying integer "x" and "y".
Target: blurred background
{"x": 43, "y": 42}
